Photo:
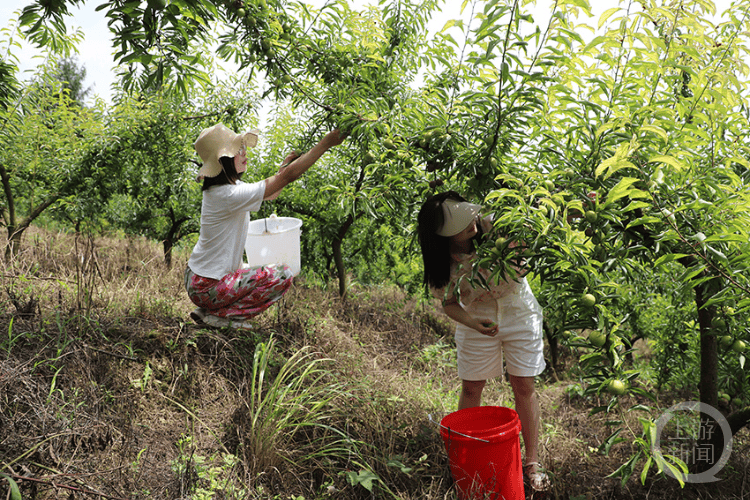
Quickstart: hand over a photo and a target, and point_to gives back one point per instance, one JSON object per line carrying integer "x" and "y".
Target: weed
{"x": 203, "y": 478}
{"x": 277, "y": 406}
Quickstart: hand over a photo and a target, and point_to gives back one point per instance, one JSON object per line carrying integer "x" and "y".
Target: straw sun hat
{"x": 217, "y": 141}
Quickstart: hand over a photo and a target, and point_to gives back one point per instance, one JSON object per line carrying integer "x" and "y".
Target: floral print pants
{"x": 242, "y": 294}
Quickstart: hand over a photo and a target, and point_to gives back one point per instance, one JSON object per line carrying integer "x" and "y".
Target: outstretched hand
{"x": 334, "y": 137}
{"x": 289, "y": 158}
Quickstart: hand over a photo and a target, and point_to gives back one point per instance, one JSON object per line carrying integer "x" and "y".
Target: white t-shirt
{"x": 224, "y": 222}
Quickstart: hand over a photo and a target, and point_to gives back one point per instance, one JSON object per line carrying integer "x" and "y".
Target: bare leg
{"x": 471, "y": 393}
{"x": 527, "y": 406}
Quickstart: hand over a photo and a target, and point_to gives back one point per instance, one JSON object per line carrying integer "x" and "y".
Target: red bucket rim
{"x": 458, "y": 425}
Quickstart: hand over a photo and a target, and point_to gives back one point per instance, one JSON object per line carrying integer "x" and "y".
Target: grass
{"x": 107, "y": 390}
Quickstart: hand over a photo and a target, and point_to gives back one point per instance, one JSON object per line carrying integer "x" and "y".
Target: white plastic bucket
{"x": 275, "y": 240}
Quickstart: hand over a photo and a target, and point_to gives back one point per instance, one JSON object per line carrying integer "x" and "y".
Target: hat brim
{"x": 229, "y": 147}
{"x": 457, "y": 215}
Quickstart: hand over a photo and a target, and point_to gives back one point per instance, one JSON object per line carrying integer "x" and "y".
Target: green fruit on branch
{"x": 739, "y": 346}
{"x": 368, "y": 158}
{"x": 388, "y": 144}
{"x": 588, "y": 300}
{"x": 500, "y": 242}
{"x": 616, "y": 387}
{"x": 726, "y": 341}
{"x": 597, "y": 338}
{"x": 591, "y": 216}
{"x": 718, "y": 323}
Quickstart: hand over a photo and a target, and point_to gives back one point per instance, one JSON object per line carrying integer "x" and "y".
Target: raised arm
{"x": 299, "y": 166}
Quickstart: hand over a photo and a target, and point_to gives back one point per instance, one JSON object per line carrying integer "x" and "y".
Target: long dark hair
{"x": 228, "y": 174}
{"x": 436, "y": 249}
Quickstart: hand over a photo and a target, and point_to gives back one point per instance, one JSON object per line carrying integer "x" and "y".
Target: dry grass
{"x": 106, "y": 390}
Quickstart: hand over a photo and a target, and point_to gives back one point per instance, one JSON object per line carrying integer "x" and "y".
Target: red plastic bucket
{"x": 484, "y": 451}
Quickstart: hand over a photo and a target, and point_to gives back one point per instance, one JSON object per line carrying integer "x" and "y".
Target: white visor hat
{"x": 457, "y": 215}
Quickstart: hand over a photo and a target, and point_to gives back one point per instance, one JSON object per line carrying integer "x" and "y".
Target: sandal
{"x": 197, "y": 315}
{"x": 538, "y": 479}
{"x": 220, "y": 322}
{"x": 216, "y": 321}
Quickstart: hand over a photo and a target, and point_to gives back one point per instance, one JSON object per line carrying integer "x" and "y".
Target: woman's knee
{"x": 523, "y": 387}
{"x": 472, "y": 387}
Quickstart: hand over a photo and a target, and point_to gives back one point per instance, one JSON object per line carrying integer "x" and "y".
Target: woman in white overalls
{"x": 506, "y": 319}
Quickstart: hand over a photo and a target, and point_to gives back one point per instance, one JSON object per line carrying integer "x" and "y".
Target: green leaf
{"x": 644, "y": 472}
{"x": 617, "y": 165}
{"x": 742, "y": 161}
{"x": 679, "y": 473}
{"x": 451, "y": 23}
{"x": 656, "y": 130}
{"x": 606, "y": 15}
{"x": 611, "y": 441}
{"x": 364, "y": 477}
{"x": 15, "y": 492}
{"x": 626, "y": 469}
{"x": 668, "y": 160}
{"x": 670, "y": 257}
{"x": 640, "y": 407}
{"x": 624, "y": 189}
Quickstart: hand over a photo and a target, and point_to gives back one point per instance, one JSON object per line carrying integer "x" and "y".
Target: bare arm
{"x": 299, "y": 166}
{"x": 457, "y": 313}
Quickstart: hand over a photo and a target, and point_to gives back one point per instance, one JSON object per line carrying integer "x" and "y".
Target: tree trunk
{"x": 338, "y": 256}
{"x": 11, "y": 211}
{"x": 16, "y": 230}
{"x": 709, "y": 378}
{"x": 553, "y": 345}
{"x": 168, "y": 245}
{"x": 338, "y": 259}
{"x": 709, "y": 446}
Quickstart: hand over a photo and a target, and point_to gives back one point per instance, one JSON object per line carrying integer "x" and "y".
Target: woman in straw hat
{"x": 225, "y": 292}
{"x": 504, "y": 319}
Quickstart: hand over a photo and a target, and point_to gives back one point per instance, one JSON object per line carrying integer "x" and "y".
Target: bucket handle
{"x": 429, "y": 415}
